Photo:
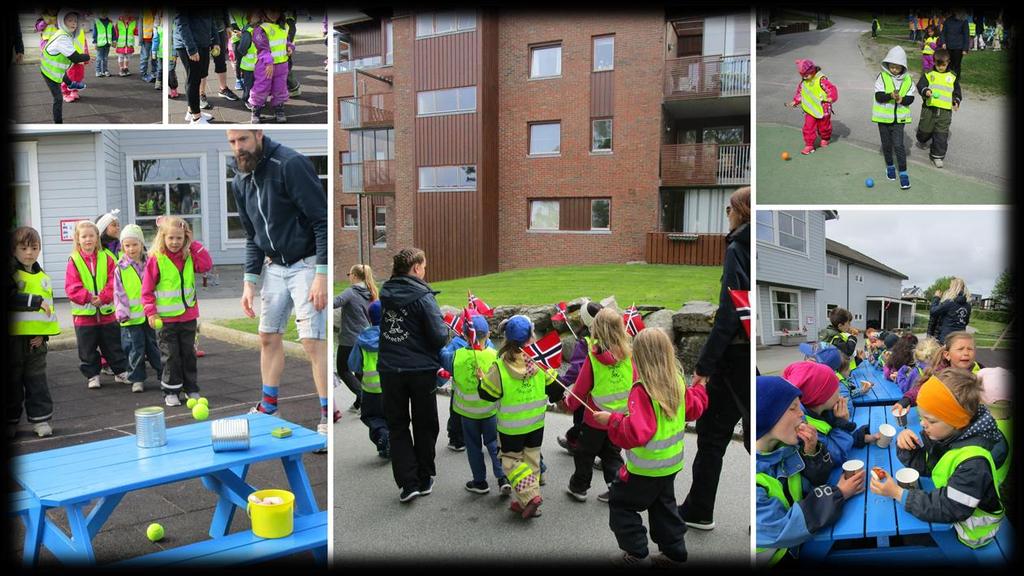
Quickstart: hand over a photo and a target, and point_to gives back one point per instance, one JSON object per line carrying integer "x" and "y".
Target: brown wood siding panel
{"x": 447, "y": 61}
{"x": 487, "y": 166}
{"x": 574, "y": 214}
{"x": 367, "y": 40}
{"x": 706, "y": 250}
{"x": 602, "y": 94}
{"x": 448, "y": 140}
{"x": 444, "y": 224}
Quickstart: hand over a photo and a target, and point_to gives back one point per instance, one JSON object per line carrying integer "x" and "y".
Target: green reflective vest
{"x": 239, "y": 19}
{"x": 771, "y": 556}
{"x": 971, "y": 30}
{"x": 812, "y": 95}
{"x": 144, "y": 208}
{"x": 1006, "y": 427}
{"x": 928, "y": 43}
{"x": 611, "y": 383}
{"x": 663, "y": 453}
{"x": 466, "y": 399}
{"x": 94, "y": 283}
{"x": 176, "y": 290}
{"x": 42, "y": 322}
{"x": 981, "y": 527}
{"x": 104, "y": 32}
{"x": 54, "y": 66}
{"x": 819, "y": 425}
{"x": 132, "y": 284}
{"x": 890, "y": 112}
{"x": 941, "y": 85}
{"x": 125, "y": 33}
{"x": 371, "y": 377}
{"x": 523, "y": 402}
{"x": 278, "y": 38}
{"x": 248, "y": 62}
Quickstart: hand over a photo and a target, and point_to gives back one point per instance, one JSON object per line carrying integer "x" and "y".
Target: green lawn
{"x": 652, "y": 284}
{"x": 987, "y": 333}
{"x": 251, "y": 325}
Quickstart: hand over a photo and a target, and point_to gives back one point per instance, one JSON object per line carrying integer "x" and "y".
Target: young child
{"x": 271, "y": 70}
{"x": 363, "y": 360}
{"x": 788, "y": 453}
{"x": 521, "y": 388}
{"x": 147, "y": 29}
{"x": 110, "y": 233}
{"x": 76, "y": 73}
{"x": 479, "y": 418}
{"x": 907, "y": 376}
{"x": 997, "y": 395}
{"x": 57, "y": 57}
{"x": 137, "y": 337}
{"x": 246, "y": 53}
{"x": 840, "y": 364}
{"x": 169, "y": 295}
{"x": 588, "y": 310}
{"x": 156, "y": 54}
{"x": 940, "y": 89}
{"x": 841, "y": 334}
{"x": 124, "y": 30}
{"x": 651, "y": 430}
{"x": 89, "y": 284}
{"x": 902, "y": 355}
{"x": 825, "y": 410}
{"x": 931, "y": 44}
{"x": 815, "y": 94}
{"x": 102, "y": 36}
{"x": 894, "y": 93}
{"x": 32, "y": 322}
{"x": 960, "y": 448}
{"x": 957, "y": 352}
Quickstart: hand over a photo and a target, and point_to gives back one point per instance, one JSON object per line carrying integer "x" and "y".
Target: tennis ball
{"x": 155, "y": 532}
{"x": 215, "y": 51}
{"x": 200, "y": 412}
{"x": 870, "y": 183}
{"x": 785, "y": 155}
{"x": 204, "y": 402}
{"x": 191, "y": 403}
{"x": 158, "y": 324}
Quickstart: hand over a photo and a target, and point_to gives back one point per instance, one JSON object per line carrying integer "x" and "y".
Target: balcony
{"x": 370, "y": 177}
{"x": 695, "y": 77}
{"x": 705, "y": 164}
{"x": 368, "y": 111}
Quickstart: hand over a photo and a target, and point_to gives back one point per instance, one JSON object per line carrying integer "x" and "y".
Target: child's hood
{"x": 981, "y": 431}
{"x": 62, "y": 15}
{"x": 896, "y": 55}
{"x": 516, "y": 369}
{"x": 369, "y": 339}
{"x": 782, "y": 462}
{"x": 606, "y": 357}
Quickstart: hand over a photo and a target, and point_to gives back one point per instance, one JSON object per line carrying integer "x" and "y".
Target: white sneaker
{"x": 203, "y": 119}
{"x": 321, "y": 428}
{"x": 138, "y": 387}
{"x": 122, "y": 378}
{"x": 188, "y": 115}
{"x": 42, "y": 429}
{"x": 94, "y": 382}
{"x": 172, "y": 400}
{"x": 937, "y": 162}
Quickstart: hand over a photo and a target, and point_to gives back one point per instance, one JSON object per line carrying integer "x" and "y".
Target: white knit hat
{"x": 588, "y": 310}
{"x": 103, "y": 221}
{"x": 133, "y": 231}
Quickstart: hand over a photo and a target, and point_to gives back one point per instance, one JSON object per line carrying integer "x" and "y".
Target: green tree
{"x": 942, "y": 284}
{"x": 1003, "y": 291}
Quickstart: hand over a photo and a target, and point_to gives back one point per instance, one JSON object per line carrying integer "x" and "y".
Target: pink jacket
{"x": 122, "y": 310}
{"x": 77, "y": 293}
{"x": 585, "y": 383}
{"x": 828, "y": 87}
{"x": 201, "y": 263}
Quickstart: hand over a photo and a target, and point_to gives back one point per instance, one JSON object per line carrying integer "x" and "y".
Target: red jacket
{"x": 77, "y": 293}
{"x": 585, "y": 383}
{"x": 201, "y": 263}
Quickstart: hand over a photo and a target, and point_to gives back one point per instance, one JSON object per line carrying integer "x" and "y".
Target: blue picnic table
{"x": 72, "y": 477}
{"x": 873, "y": 529}
{"x": 884, "y": 392}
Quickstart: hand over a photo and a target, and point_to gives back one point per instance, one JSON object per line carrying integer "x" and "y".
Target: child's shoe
{"x": 337, "y": 416}
{"x": 69, "y": 98}
{"x": 158, "y": 85}
{"x": 42, "y": 429}
{"x": 199, "y": 353}
{"x": 172, "y": 400}
{"x": 383, "y": 446}
{"x": 890, "y": 172}
{"x": 296, "y": 91}
{"x": 173, "y": 93}
{"x": 127, "y": 72}
{"x": 94, "y": 382}
{"x": 146, "y": 78}
{"x": 626, "y": 560}
{"x": 807, "y": 150}
{"x": 279, "y": 116}
{"x": 937, "y": 162}
{"x": 138, "y": 387}
{"x": 904, "y": 181}
{"x": 75, "y": 95}
{"x": 122, "y": 378}
{"x": 238, "y": 84}
{"x": 824, "y": 143}
{"x": 578, "y": 496}
{"x": 122, "y": 73}
{"x": 254, "y": 118}
{"x": 478, "y": 487}
{"x": 532, "y": 508}
{"x": 106, "y": 73}
{"x": 604, "y": 496}
{"x": 504, "y": 486}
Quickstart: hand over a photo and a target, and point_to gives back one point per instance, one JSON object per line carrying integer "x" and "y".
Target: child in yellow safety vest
{"x": 894, "y": 93}
{"x": 960, "y": 448}
{"x": 931, "y": 44}
{"x": 125, "y": 32}
{"x": 815, "y": 94}
{"x": 940, "y": 89}
{"x": 651, "y": 430}
{"x": 521, "y": 387}
{"x": 102, "y": 38}
{"x": 997, "y": 395}
{"x": 61, "y": 51}
{"x": 137, "y": 338}
{"x": 170, "y": 304}
{"x": 271, "y": 70}
{"x": 32, "y": 322}
{"x": 363, "y": 360}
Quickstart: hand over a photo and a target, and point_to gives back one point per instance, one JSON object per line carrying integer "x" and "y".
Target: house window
{"x": 793, "y": 231}
{"x": 167, "y": 186}
{"x": 451, "y": 101}
{"x": 380, "y": 226}
{"x": 604, "y": 53}
{"x": 349, "y": 217}
{"x": 766, "y": 226}
{"x": 832, "y": 266}
{"x": 544, "y": 214}
{"x": 858, "y": 316}
{"x": 434, "y": 178}
{"x": 601, "y": 135}
{"x": 545, "y": 138}
{"x": 546, "y": 61}
{"x": 723, "y": 135}
{"x": 859, "y": 278}
{"x": 389, "y": 43}
{"x": 600, "y": 214}
{"x": 232, "y": 231}
{"x": 435, "y": 23}
{"x": 785, "y": 310}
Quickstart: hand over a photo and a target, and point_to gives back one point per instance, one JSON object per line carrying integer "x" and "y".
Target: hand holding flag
{"x": 633, "y": 321}
{"x": 562, "y": 315}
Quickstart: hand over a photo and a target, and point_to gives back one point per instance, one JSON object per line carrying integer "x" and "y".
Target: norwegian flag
{"x": 560, "y": 315}
{"x": 634, "y": 322}
{"x": 467, "y": 323}
{"x": 547, "y": 350}
{"x": 741, "y": 301}
{"x": 480, "y": 306}
{"x": 454, "y": 322}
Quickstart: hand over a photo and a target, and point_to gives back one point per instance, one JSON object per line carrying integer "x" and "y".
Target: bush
{"x": 991, "y": 315}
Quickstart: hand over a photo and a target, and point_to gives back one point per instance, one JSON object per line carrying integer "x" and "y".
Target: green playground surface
{"x": 837, "y": 175}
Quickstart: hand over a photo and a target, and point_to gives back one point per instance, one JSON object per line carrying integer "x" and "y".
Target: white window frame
{"x": 774, "y": 243}
{"x": 558, "y": 214}
{"x": 32, "y": 153}
{"x": 458, "y": 101}
{"x": 434, "y": 188}
{"x": 349, "y": 207}
{"x": 433, "y": 25}
{"x": 204, "y": 190}
{"x": 772, "y": 290}
{"x": 593, "y": 52}
{"x": 546, "y": 46}
{"x": 593, "y": 131}
{"x": 607, "y": 228}
{"x": 529, "y": 140}
{"x": 389, "y": 43}
{"x": 376, "y": 210}
{"x": 828, "y": 260}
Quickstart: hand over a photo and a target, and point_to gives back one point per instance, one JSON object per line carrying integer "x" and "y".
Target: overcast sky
{"x": 925, "y": 245}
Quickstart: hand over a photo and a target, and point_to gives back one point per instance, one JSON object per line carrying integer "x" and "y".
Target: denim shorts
{"x": 285, "y": 288}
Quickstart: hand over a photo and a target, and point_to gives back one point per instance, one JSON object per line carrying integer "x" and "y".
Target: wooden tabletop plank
{"x": 881, "y": 510}
{"x": 851, "y": 522}
{"x": 906, "y": 523}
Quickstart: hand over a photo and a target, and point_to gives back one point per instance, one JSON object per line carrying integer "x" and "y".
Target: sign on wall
{"x": 67, "y": 229}
{"x": 810, "y": 321}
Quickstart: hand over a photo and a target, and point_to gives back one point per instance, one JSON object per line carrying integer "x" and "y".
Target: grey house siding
{"x": 848, "y": 293}
{"x": 808, "y": 307}
{"x": 778, "y": 265}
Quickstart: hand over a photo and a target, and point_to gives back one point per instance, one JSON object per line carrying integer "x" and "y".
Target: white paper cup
{"x": 901, "y": 415}
{"x": 851, "y": 467}
{"x": 907, "y": 478}
{"x": 886, "y": 432}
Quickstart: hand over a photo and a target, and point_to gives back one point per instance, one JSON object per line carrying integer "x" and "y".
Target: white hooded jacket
{"x": 896, "y": 55}
{"x": 63, "y": 44}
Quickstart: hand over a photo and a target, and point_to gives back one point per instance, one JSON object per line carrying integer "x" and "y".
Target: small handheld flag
{"x": 633, "y": 321}
{"x": 547, "y": 350}
{"x": 741, "y": 301}
{"x": 453, "y": 322}
{"x": 480, "y": 306}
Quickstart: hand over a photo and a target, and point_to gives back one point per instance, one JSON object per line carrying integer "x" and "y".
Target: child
{"x": 102, "y": 35}
{"x": 873, "y": 346}
{"x": 840, "y": 364}
{"x": 76, "y": 73}
{"x": 89, "y": 284}
{"x": 169, "y": 294}
{"x": 271, "y": 70}
{"x": 246, "y": 54}
{"x": 902, "y": 355}
{"x": 137, "y": 338}
{"x": 960, "y": 449}
{"x": 997, "y": 395}
{"x": 520, "y": 386}
{"x": 588, "y": 310}
{"x": 32, "y": 322}
{"x": 58, "y": 55}
{"x": 479, "y": 418}
{"x": 156, "y": 54}
{"x": 604, "y": 382}
{"x": 815, "y": 95}
{"x": 363, "y": 360}
{"x": 147, "y": 23}
{"x": 931, "y": 44}
{"x": 940, "y": 89}
{"x": 787, "y": 518}
{"x": 894, "y": 93}
{"x": 651, "y": 431}
{"x": 841, "y": 334}
{"x": 124, "y": 29}
{"x": 875, "y": 26}
{"x": 957, "y": 352}
{"x": 923, "y": 352}
{"x": 110, "y": 233}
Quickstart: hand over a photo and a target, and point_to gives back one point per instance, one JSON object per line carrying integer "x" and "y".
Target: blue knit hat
{"x": 374, "y": 312}
{"x": 518, "y": 329}
{"x": 479, "y": 324}
{"x": 774, "y": 395}
{"x": 827, "y": 355}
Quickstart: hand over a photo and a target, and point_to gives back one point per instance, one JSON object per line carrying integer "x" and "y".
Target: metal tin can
{"x": 229, "y": 434}
{"x": 150, "y": 428}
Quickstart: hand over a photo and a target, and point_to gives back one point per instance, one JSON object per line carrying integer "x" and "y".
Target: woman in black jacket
{"x": 952, "y": 309}
{"x": 725, "y": 362}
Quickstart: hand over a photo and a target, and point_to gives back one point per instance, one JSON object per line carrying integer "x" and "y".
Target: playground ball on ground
{"x": 155, "y": 532}
{"x": 200, "y": 412}
{"x": 204, "y": 402}
{"x": 191, "y": 403}
{"x": 785, "y": 155}
{"x": 870, "y": 183}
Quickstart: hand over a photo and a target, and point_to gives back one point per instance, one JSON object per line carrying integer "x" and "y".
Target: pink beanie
{"x": 816, "y": 381}
{"x": 805, "y": 66}
{"x": 996, "y": 384}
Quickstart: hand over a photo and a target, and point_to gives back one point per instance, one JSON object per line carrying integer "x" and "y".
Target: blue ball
{"x": 870, "y": 183}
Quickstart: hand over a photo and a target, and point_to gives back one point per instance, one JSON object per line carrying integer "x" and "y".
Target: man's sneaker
{"x": 824, "y": 143}
{"x": 427, "y": 487}
{"x": 937, "y": 162}
{"x": 904, "y": 181}
{"x": 122, "y": 378}
{"x": 569, "y": 445}
{"x": 228, "y": 94}
{"x": 504, "y": 486}
{"x": 478, "y": 487}
{"x": 456, "y": 447}
{"x": 661, "y": 561}
{"x": 204, "y": 104}
{"x": 42, "y": 429}
{"x": 701, "y": 524}
{"x": 188, "y": 115}
{"x": 408, "y": 494}
{"x": 172, "y": 400}
{"x": 890, "y": 172}
{"x": 578, "y": 496}
{"x": 532, "y": 508}
{"x": 138, "y": 387}
{"x": 384, "y": 446}
{"x": 279, "y": 116}
{"x": 807, "y": 150}
{"x": 200, "y": 120}
{"x": 94, "y": 382}
{"x": 627, "y": 560}
{"x": 603, "y": 497}
{"x": 238, "y": 84}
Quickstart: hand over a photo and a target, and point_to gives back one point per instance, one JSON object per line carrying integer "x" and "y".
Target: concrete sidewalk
{"x": 111, "y": 100}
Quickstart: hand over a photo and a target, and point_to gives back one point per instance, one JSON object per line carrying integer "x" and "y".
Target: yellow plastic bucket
{"x": 275, "y": 520}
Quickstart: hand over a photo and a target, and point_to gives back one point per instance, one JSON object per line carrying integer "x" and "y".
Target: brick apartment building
{"x": 498, "y": 140}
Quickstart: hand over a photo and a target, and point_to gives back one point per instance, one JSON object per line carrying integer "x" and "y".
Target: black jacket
{"x": 412, "y": 331}
{"x": 955, "y": 34}
{"x": 823, "y": 504}
{"x": 951, "y": 315}
{"x": 735, "y": 275}
{"x": 283, "y": 209}
{"x": 194, "y": 29}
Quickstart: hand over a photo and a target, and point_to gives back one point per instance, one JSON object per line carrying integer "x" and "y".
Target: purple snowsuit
{"x": 276, "y": 87}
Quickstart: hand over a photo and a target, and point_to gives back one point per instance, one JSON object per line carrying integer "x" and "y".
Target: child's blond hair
{"x": 610, "y": 332}
{"x": 168, "y": 224}
{"x": 925, "y": 350}
{"x": 658, "y": 369}
{"x": 964, "y": 385}
{"x": 75, "y": 245}
{"x": 364, "y": 273}
{"x": 938, "y": 362}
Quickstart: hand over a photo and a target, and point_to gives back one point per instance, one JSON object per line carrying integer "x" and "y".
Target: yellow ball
{"x": 200, "y": 412}
{"x": 191, "y": 403}
{"x": 155, "y": 532}
{"x": 204, "y": 402}
{"x": 158, "y": 324}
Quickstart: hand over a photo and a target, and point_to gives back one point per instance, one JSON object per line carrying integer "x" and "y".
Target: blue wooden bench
{"x": 19, "y": 502}
{"x": 884, "y": 393}
{"x": 243, "y": 547}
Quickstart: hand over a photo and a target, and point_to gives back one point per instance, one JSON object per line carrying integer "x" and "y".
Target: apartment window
{"x": 571, "y": 214}
{"x": 601, "y": 135}
{"x": 544, "y": 214}
{"x": 380, "y": 226}
{"x": 832, "y": 266}
{"x": 389, "y": 43}
{"x": 545, "y": 138}
{"x": 435, "y": 178}
{"x": 785, "y": 310}
{"x": 766, "y": 226}
{"x": 171, "y": 186}
{"x": 435, "y": 23}
{"x": 450, "y": 101}
{"x": 546, "y": 61}
{"x": 723, "y": 135}
{"x": 600, "y": 214}
{"x": 604, "y": 53}
{"x": 349, "y": 217}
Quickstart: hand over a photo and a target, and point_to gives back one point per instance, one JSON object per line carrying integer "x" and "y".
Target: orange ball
{"x": 785, "y": 155}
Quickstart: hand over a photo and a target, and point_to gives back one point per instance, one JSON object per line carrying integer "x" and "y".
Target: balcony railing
{"x": 705, "y": 164}
{"x": 707, "y": 77}
{"x": 368, "y": 111}
{"x": 372, "y": 176}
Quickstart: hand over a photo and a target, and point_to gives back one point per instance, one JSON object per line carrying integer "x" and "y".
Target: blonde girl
{"x": 951, "y": 311}
{"x": 957, "y": 352}
{"x": 354, "y": 303}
